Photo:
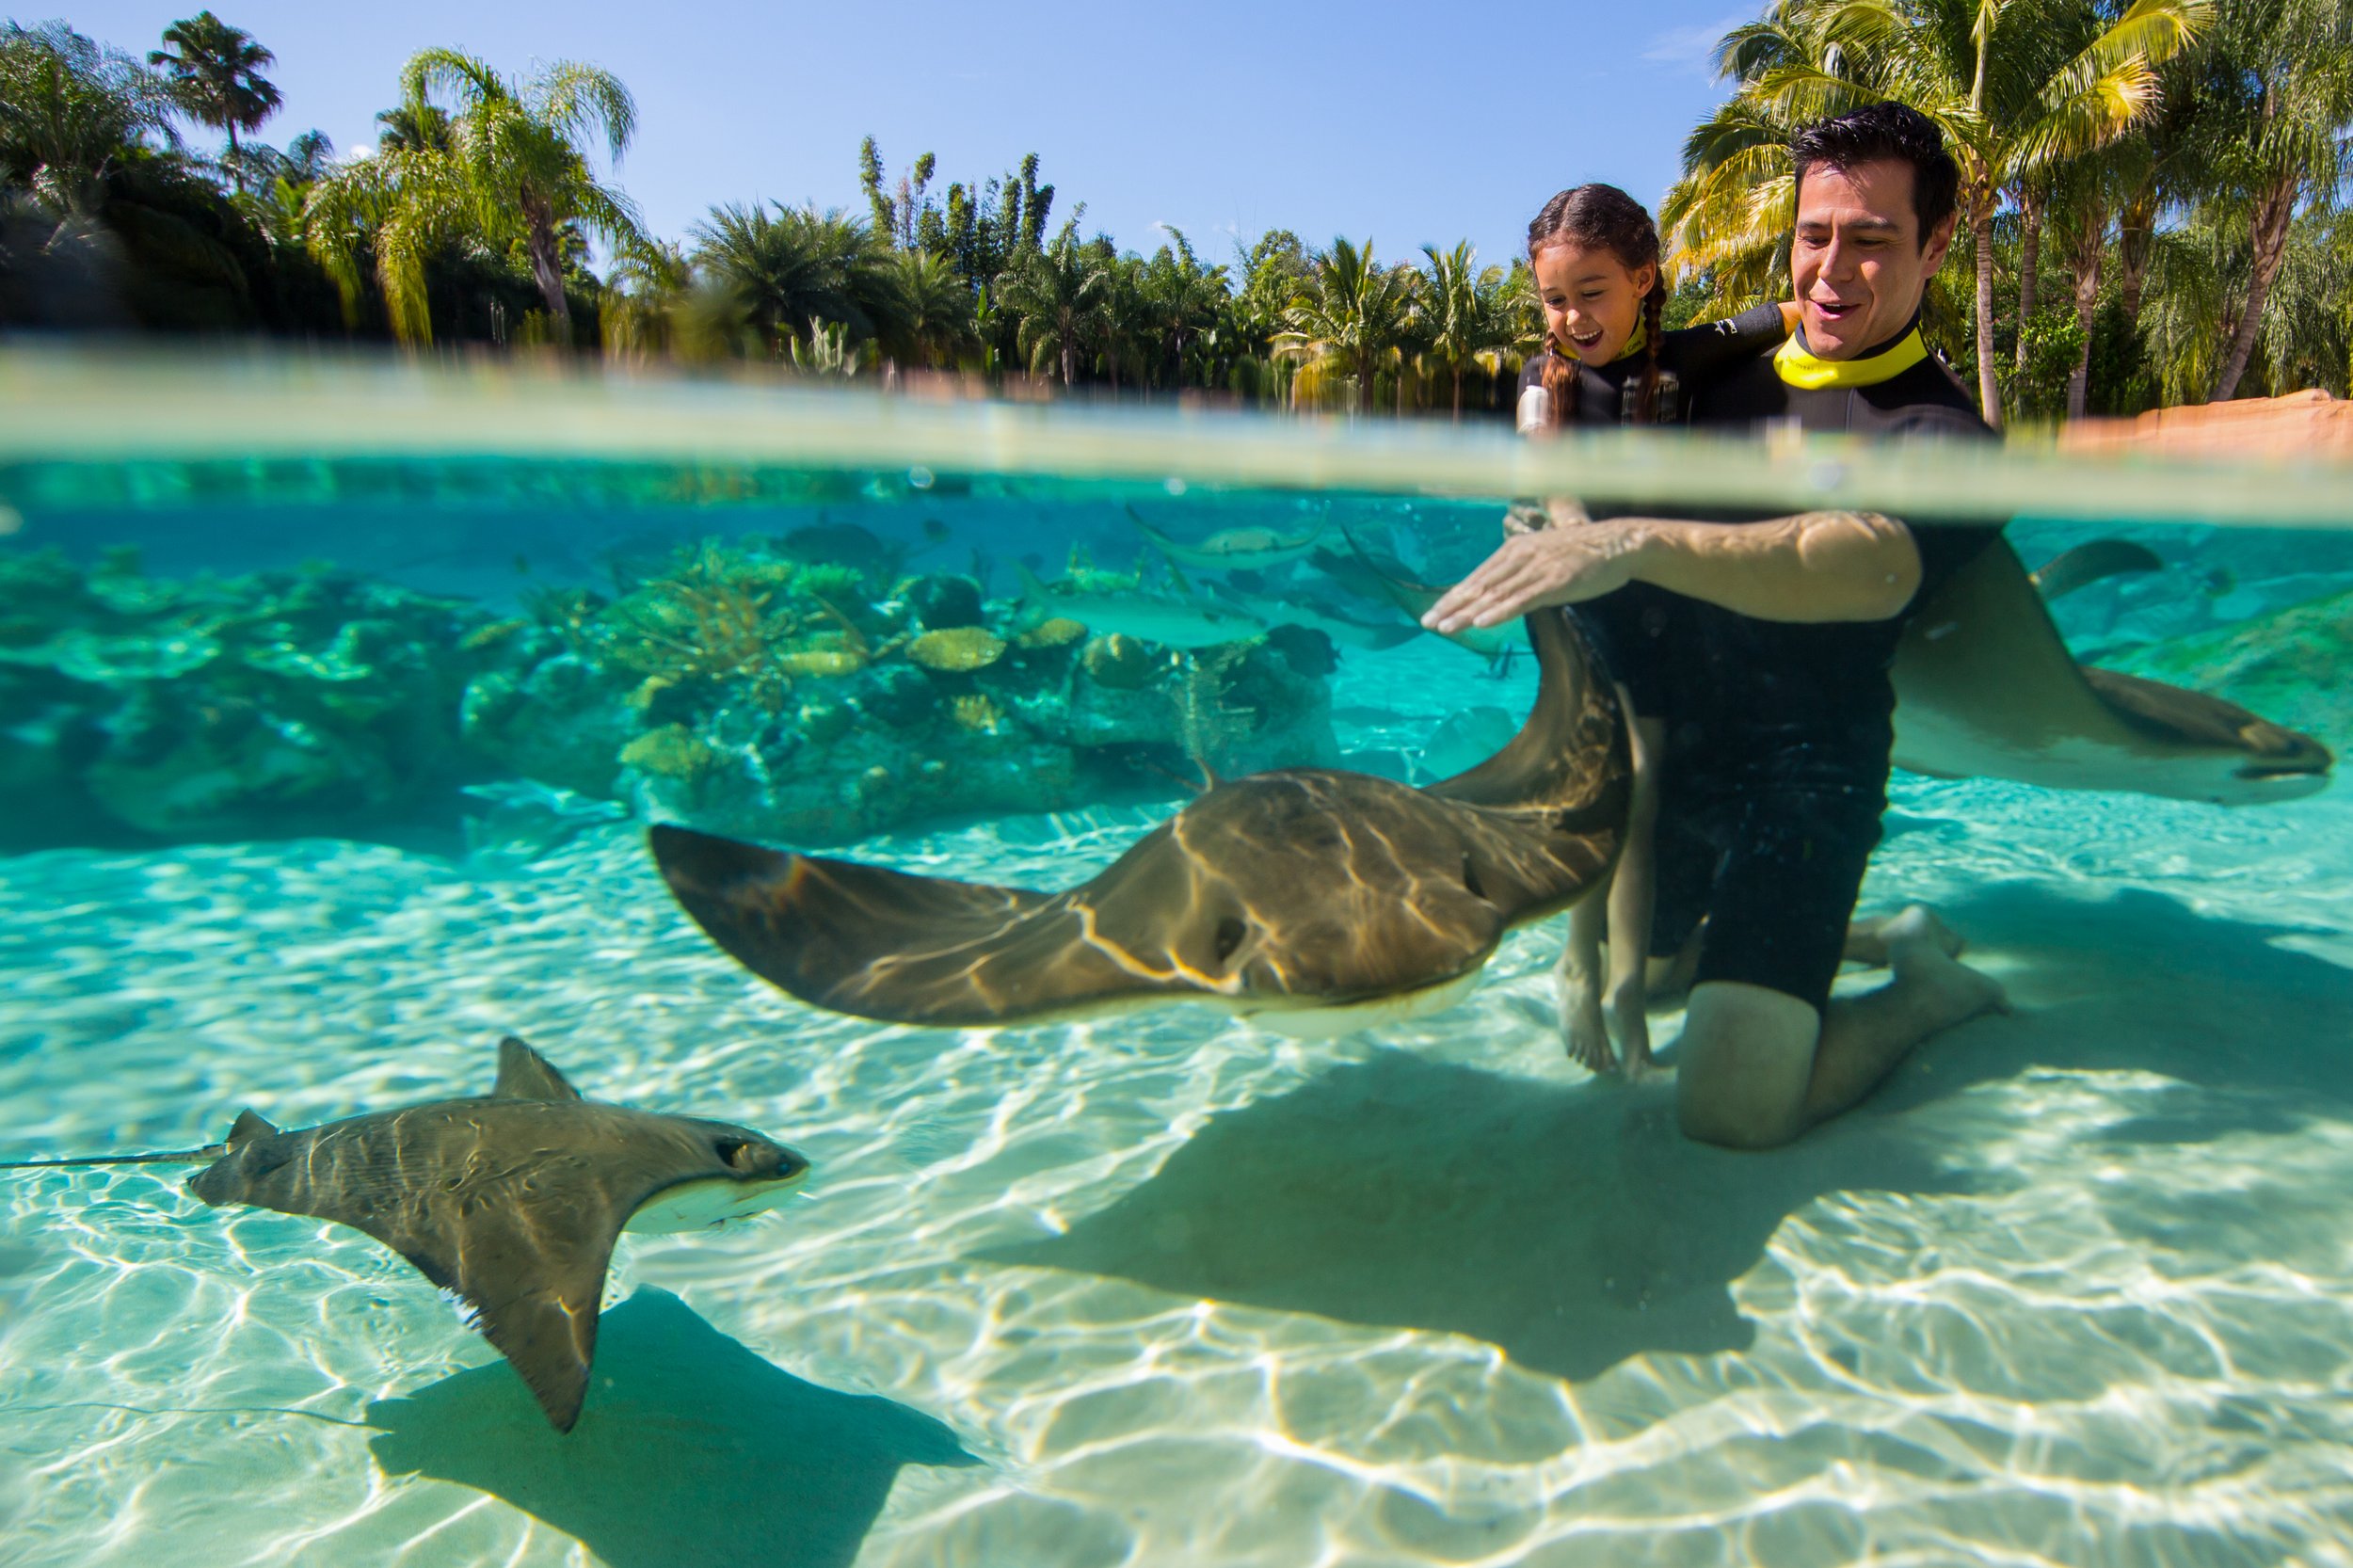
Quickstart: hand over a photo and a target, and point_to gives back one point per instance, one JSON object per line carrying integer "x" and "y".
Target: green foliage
{"x": 2051, "y": 346}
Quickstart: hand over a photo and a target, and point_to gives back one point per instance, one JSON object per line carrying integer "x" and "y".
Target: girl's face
{"x": 1593, "y": 301}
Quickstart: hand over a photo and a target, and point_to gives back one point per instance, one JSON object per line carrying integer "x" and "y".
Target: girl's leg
{"x": 1631, "y": 897}
{"x": 1581, "y": 979}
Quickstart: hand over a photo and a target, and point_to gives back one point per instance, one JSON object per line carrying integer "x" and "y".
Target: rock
{"x": 945, "y": 600}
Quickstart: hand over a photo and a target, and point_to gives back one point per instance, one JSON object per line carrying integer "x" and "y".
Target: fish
{"x": 1233, "y": 549}
{"x": 1985, "y": 687}
{"x": 1389, "y": 580}
{"x": 1311, "y": 900}
{"x": 2088, "y": 564}
{"x": 512, "y": 1201}
{"x": 1174, "y": 620}
{"x": 1297, "y": 610}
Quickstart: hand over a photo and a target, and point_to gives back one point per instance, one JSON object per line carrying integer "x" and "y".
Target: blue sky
{"x": 1378, "y": 120}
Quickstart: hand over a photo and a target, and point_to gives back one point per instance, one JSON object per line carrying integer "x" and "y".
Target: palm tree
{"x": 516, "y": 153}
{"x": 2016, "y": 85}
{"x": 793, "y": 269}
{"x": 1459, "y": 309}
{"x": 217, "y": 71}
{"x": 1056, "y": 294}
{"x": 413, "y": 128}
{"x": 1347, "y": 317}
{"x": 937, "y": 325}
{"x": 70, "y": 111}
{"x": 2285, "y": 78}
{"x": 637, "y": 305}
{"x": 1183, "y": 299}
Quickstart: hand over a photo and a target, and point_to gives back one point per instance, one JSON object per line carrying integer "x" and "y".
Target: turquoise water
{"x": 322, "y": 791}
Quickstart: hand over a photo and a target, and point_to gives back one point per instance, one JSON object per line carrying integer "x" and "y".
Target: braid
{"x": 1654, "y": 314}
{"x": 1559, "y": 381}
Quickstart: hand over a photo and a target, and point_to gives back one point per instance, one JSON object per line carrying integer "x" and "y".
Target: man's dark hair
{"x": 1885, "y": 133}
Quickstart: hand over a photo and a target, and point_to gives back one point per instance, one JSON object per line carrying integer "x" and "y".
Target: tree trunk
{"x": 2086, "y": 305}
{"x": 2275, "y": 210}
{"x": 2135, "y": 236}
{"x": 547, "y": 269}
{"x": 1458, "y": 394}
{"x": 2029, "y": 266}
{"x": 1989, "y": 387}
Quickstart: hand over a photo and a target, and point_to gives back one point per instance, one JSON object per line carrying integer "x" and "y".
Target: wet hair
{"x": 1886, "y": 132}
{"x": 1602, "y": 218}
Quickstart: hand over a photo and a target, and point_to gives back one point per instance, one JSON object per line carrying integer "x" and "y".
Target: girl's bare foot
{"x": 1584, "y": 1028}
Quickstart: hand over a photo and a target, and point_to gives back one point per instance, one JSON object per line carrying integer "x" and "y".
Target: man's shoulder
{"x": 1926, "y": 400}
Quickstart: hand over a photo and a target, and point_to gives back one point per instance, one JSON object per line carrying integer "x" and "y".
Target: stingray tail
{"x": 175, "y": 1156}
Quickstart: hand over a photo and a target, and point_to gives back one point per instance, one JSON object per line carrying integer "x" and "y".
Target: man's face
{"x": 1857, "y": 260}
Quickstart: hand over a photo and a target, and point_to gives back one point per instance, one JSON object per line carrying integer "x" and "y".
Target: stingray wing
{"x": 533, "y": 1275}
{"x": 480, "y": 1197}
{"x": 878, "y": 943}
{"x": 1986, "y": 688}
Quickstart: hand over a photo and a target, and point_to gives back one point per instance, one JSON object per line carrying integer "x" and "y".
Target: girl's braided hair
{"x": 1602, "y": 218}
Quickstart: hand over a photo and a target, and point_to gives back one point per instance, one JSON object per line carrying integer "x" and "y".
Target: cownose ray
{"x": 512, "y": 1201}
{"x": 1311, "y": 900}
{"x": 1232, "y": 549}
{"x": 1985, "y": 687}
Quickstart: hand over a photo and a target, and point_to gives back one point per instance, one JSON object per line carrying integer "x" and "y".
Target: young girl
{"x": 1608, "y": 360}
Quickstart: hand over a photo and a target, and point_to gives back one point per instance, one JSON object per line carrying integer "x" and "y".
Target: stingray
{"x": 1232, "y": 549}
{"x": 1311, "y": 900}
{"x": 512, "y": 1201}
{"x": 1986, "y": 688}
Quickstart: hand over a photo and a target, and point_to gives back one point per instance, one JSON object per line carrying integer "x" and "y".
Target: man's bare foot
{"x": 1871, "y": 942}
{"x": 1921, "y": 960}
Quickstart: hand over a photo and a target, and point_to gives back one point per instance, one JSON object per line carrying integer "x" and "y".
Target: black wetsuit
{"x": 1778, "y": 733}
{"x": 1633, "y": 627}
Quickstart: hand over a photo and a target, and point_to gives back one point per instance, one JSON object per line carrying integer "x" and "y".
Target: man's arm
{"x": 1814, "y": 567}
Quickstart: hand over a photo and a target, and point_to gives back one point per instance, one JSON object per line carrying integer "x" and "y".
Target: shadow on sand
{"x": 692, "y": 1449}
{"x": 1570, "y": 1226}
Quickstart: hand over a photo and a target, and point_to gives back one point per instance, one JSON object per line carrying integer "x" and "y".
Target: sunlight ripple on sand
{"x": 2077, "y": 1289}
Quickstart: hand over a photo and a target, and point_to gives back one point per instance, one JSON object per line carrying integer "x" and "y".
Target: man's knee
{"x": 1743, "y": 1066}
{"x": 1735, "y": 1127}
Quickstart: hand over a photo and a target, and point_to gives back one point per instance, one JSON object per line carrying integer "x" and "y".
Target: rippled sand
{"x": 2077, "y": 1289}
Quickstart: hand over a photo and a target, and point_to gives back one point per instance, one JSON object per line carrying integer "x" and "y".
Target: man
{"x": 1780, "y": 712}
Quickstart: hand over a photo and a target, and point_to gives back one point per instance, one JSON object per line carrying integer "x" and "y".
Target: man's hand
{"x": 1555, "y": 566}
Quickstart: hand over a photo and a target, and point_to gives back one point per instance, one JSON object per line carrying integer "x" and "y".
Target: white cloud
{"x": 1691, "y": 46}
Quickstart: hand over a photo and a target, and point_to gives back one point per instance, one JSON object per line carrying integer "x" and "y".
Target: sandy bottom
{"x": 2077, "y": 1289}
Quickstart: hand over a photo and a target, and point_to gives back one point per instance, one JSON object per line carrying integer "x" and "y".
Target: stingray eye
{"x": 1228, "y": 938}
{"x": 736, "y": 1153}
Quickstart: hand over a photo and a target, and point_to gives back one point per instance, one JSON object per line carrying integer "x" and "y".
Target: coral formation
{"x": 1120, "y": 662}
{"x": 962, "y": 648}
{"x": 976, "y": 711}
{"x": 2288, "y": 665}
{"x": 752, "y": 685}
{"x": 139, "y": 709}
{"x": 1053, "y": 631}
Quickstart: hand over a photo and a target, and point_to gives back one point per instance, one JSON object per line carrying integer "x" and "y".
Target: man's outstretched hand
{"x": 1552, "y": 566}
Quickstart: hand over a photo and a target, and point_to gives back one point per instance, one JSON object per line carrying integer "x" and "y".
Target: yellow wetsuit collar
{"x": 1797, "y": 366}
{"x": 1634, "y": 346}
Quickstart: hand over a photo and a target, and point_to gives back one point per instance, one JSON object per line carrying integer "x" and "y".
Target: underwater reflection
{"x": 693, "y": 1448}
